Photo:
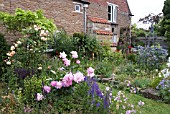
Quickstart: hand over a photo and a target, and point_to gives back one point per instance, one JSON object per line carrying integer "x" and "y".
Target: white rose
{"x": 16, "y": 45}
{"x": 12, "y": 48}
{"x": 19, "y": 42}
{"x": 8, "y": 62}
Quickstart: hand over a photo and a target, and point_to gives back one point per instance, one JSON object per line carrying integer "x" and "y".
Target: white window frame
{"x": 114, "y": 9}
{"x": 77, "y": 5}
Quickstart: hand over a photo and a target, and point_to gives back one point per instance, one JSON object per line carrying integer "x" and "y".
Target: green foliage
{"x": 4, "y": 47}
{"x": 131, "y": 57}
{"x": 87, "y": 45}
{"x": 63, "y": 42}
{"x": 155, "y": 82}
{"x": 138, "y": 32}
{"x": 104, "y": 68}
{"x": 140, "y": 43}
{"x": 151, "y": 57}
{"x": 142, "y": 82}
{"x": 166, "y": 20}
{"x": 23, "y": 19}
{"x": 32, "y": 86}
{"x": 141, "y": 33}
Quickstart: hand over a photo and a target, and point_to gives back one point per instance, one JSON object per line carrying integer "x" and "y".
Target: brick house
{"x": 105, "y": 18}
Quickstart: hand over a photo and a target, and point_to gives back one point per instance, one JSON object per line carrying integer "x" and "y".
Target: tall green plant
{"x": 4, "y": 47}
{"x": 87, "y": 45}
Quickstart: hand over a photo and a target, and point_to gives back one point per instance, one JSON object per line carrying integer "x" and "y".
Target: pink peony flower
{"x": 74, "y": 54}
{"x": 47, "y": 89}
{"x": 90, "y": 72}
{"x": 39, "y": 97}
{"x": 78, "y": 61}
{"x": 62, "y": 55}
{"x": 59, "y": 85}
{"x": 53, "y": 83}
{"x": 67, "y": 80}
{"x": 78, "y": 77}
{"x": 66, "y": 62}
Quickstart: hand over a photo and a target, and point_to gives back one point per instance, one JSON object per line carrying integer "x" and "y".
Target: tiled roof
{"x": 122, "y": 4}
{"x": 103, "y": 32}
{"x": 98, "y": 20}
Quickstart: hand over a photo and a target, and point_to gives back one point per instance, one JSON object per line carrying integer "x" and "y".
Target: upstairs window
{"x": 112, "y": 13}
{"x": 77, "y": 8}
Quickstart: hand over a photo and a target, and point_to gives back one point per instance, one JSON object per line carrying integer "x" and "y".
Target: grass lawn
{"x": 150, "y": 107}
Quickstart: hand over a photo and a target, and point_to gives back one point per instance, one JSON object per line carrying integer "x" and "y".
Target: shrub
{"x": 151, "y": 57}
{"x": 164, "y": 83}
{"x": 131, "y": 57}
{"x": 142, "y": 82}
{"x": 4, "y": 47}
{"x": 22, "y": 19}
{"x": 87, "y": 45}
{"x": 104, "y": 68}
{"x": 63, "y": 42}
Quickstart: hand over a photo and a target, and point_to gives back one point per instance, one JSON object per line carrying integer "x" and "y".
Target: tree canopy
{"x": 166, "y": 21}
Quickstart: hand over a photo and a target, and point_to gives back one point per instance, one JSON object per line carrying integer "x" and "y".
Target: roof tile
{"x": 99, "y": 20}
{"x": 103, "y": 32}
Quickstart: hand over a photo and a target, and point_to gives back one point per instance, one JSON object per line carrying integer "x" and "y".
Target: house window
{"x": 77, "y": 8}
{"x": 112, "y": 13}
{"x": 114, "y": 38}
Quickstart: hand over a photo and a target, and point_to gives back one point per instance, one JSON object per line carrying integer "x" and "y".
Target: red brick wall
{"x": 62, "y": 12}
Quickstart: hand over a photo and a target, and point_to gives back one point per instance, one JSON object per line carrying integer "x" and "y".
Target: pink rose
{"x": 47, "y": 89}
{"x": 67, "y": 80}
{"x": 53, "y": 83}
{"x": 59, "y": 85}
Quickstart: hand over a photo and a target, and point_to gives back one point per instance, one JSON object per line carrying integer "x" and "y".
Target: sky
{"x": 141, "y": 8}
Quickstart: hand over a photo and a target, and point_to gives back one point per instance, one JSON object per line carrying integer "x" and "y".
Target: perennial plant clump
{"x": 164, "y": 84}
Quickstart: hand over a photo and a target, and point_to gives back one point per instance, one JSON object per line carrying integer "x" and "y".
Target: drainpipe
{"x": 85, "y": 17}
{"x": 130, "y": 15}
